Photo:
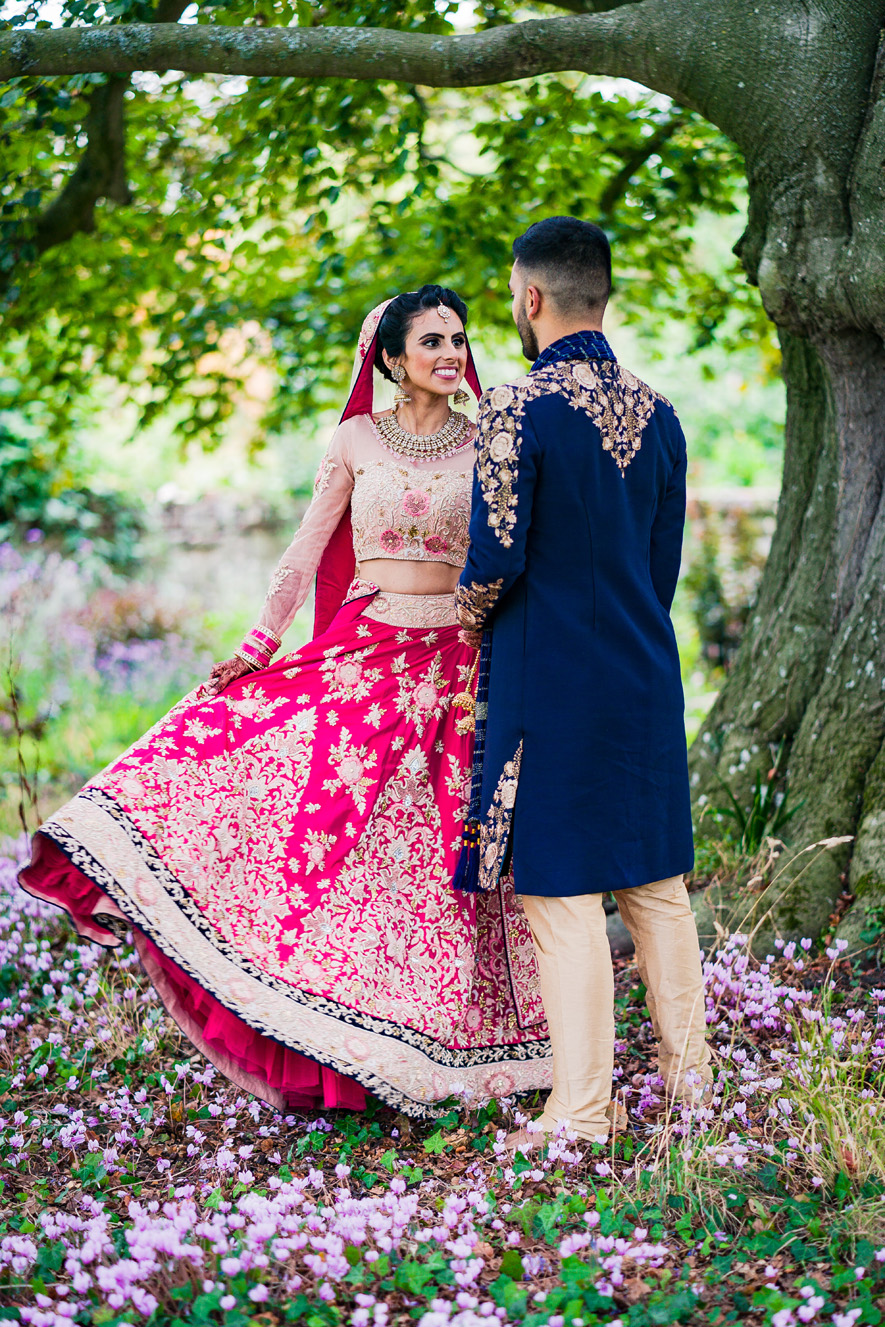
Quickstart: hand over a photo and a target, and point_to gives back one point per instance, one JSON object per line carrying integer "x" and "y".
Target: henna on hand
{"x": 222, "y": 674}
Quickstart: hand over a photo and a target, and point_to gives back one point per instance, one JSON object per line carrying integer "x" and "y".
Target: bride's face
{"x": 436, "y": 353}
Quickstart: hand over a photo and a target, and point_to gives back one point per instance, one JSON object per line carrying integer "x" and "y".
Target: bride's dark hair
{"x": 397, "y": 319}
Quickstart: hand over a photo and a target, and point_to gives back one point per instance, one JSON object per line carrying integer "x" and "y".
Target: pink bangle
{"x": 260, "y": 636}
{"x": 258, "y": 648}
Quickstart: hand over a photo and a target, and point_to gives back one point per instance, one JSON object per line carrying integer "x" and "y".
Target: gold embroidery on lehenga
{"x": 349, "y": 678}
{"x": 495, "y": 829}
{"x": 616, "y": 401}
{"x": 350, "y": 763}
{"x": 386, "y": 1058}
{"x": 412, "y": 610}
{"x": 332, "y": 948}
{"x": 475, "y": 601}
{"x": 424, "y": 697}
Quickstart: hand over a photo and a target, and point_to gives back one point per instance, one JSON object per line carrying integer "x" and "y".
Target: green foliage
{"x": 38, "y": 493}
{"x": 767, "y": 813}
{"x": 264, "y": 217}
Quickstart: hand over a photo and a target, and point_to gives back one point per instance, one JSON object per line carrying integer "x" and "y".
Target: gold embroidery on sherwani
{"x": 475, "y": 601}
{"x": 495, "y": 830}
{"x": 619, "y": 404}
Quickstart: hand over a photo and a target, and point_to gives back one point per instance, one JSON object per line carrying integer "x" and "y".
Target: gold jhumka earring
{"x": 461, "y": 397}
{"x": 401, "y": 396}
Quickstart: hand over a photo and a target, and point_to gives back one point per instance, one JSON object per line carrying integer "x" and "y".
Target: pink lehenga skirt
{"x": 283, "y": 854}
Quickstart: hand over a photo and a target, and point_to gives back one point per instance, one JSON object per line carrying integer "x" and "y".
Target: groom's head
{"x": 561, "y": 280}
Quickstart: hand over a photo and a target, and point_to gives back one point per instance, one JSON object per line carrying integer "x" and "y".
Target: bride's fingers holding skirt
{"x": 222, "y": 674}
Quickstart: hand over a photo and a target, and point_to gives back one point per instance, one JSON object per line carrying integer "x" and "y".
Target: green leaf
{"x": 412, "y": 1277}
{"x": 511, "y": 1265}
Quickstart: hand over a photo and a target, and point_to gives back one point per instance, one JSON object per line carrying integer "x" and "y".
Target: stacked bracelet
{"x": 258, "y": 648}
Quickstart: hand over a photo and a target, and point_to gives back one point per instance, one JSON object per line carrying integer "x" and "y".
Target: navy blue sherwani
{"x": 576, "y": 539}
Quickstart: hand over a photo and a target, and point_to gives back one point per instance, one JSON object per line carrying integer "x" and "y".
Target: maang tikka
{"x": 401, "y": 396}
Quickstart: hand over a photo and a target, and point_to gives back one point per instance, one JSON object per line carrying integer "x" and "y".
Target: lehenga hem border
{"x": 404, "y": 1053}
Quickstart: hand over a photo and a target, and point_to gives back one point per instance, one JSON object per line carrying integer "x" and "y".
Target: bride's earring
{"x": 461, "y": 397}
{"x": 401, "y": 397}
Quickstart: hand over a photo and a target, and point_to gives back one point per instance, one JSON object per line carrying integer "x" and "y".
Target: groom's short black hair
{"x": 571, "y": 258}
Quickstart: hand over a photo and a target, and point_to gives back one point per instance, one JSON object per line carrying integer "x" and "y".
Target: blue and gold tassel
{"x": 466, "y": 877}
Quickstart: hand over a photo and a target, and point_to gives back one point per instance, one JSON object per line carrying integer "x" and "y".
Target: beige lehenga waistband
{"x": 407, "y": 610}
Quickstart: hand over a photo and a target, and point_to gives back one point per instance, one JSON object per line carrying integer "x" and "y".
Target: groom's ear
{"x": 533, "y": 300}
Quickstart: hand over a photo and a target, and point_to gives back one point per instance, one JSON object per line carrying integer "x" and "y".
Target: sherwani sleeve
{"x": 665, "y": 550}
{"x": 505, "y": 471}
{"x": 291, "y": 581}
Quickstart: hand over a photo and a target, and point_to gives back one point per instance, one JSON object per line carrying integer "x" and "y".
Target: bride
{"x": 283, "y": 842}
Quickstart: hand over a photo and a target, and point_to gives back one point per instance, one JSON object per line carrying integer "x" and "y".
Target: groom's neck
{"x": 555, "y": 329}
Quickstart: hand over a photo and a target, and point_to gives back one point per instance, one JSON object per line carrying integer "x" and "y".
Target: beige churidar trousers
{"x": 577, "y": 988}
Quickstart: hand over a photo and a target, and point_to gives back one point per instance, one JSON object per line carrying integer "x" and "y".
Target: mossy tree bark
{"x": 798, "y": 86}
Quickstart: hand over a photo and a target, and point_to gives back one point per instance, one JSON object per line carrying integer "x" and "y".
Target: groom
{"x": 576, "y": 538}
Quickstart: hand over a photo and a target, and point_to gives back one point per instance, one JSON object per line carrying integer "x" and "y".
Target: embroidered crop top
{"x": 414, "y": 511}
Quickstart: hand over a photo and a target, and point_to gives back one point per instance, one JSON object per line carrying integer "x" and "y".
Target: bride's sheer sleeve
{"x": 290, "y": 583}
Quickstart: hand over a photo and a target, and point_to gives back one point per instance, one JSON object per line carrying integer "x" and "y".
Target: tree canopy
{"x": 161, "y": 228}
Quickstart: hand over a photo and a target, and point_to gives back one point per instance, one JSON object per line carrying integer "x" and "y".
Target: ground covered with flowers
{"x": 139, "y": 1186}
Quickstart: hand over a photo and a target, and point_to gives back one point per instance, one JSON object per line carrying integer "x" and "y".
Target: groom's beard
{"x": 530, "y": 347}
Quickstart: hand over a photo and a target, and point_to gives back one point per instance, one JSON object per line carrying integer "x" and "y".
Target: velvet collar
{"x": 578, "y": 345}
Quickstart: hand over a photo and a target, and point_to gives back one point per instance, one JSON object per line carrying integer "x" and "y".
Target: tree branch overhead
{"x": 597, "y": 43}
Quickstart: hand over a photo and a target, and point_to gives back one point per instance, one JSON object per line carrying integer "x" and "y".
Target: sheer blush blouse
{"x": 409, "y": 511}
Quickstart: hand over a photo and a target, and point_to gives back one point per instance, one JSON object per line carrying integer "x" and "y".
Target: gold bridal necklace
{"x": 423, "y": 446}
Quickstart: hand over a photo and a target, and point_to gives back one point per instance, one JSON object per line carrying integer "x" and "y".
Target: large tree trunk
{"x": 811, "y": 669}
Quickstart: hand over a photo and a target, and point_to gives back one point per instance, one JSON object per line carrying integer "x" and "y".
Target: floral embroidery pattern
{"x": 348, "y": 678}
{"x": 474, "y": 602}
{"x": 416, "y": 502}
{"x": 300, "y": 871}
{"x": 423, "y": 698}
{"x": 350, "y": 763}
{"x": 277, "y": 581}
{"x": 391, "y": 541}
{"x": 393, "y": 518}
{"x": 495, "y": 829}
{"x": 619, "y": 404}
{"x": 315, "y": 847}
{"x": 324, "y": 475}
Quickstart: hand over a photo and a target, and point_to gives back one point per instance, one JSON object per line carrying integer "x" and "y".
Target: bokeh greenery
{"x": 260, "y": 218}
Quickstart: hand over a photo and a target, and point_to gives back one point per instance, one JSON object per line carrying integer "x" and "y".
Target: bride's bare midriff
{"x": 410, "y": 577}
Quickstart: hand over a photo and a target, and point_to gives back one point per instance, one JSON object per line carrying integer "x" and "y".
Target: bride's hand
{"x": 471, "y": 638}
{"x": 222, "y": 674}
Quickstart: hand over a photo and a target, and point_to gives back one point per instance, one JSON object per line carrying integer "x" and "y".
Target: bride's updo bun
{"x": 397, "y": 319}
